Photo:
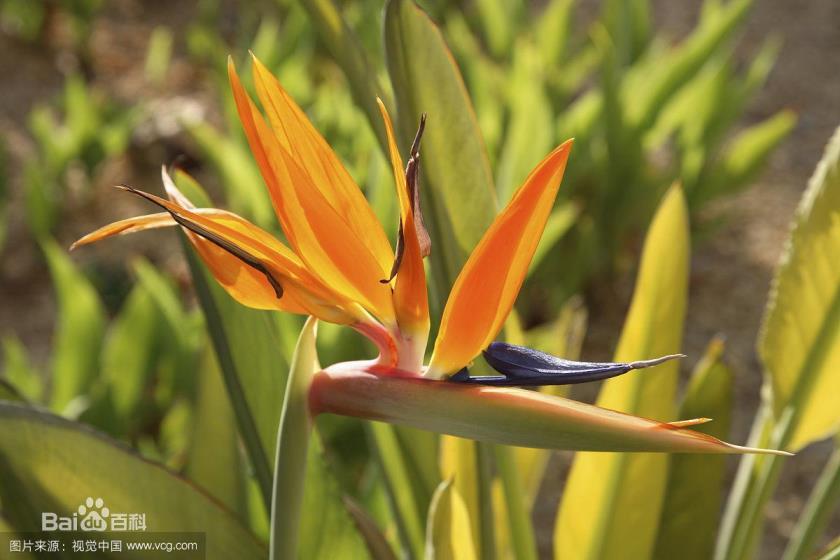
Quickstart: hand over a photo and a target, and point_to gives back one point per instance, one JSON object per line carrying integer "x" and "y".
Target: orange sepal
{"x": 296, "y": 133}
{"x": 487, "y": 286}
{"x": 410, "y": 295}
{"x": 329, "y": 247}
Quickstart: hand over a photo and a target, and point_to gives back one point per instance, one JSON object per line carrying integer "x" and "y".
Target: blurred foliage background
{"x": 96, "y": 93}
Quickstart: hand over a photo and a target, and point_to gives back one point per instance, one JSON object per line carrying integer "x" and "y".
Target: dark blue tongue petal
{"x": 522, "y": 366}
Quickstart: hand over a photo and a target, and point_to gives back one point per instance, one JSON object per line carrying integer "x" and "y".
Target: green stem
{"x": 519, "y": 518}
{"x": 293, "y": 449}
{"x": 812, "y": 523}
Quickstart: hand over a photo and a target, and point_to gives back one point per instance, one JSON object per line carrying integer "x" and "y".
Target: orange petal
{"x": 279, "y": 268}
{"x": 152, "y": 221}
{"x": 301, "y": 139}
{"x": 319, "y": 233}
{"x": 130, "y": 225}
{"x": 410, "y": 295}
{"x": 487, "y": 286}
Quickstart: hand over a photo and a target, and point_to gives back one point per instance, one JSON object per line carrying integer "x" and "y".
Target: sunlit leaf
{"x": 448, "y": 535}
{"x": 75, "y": 463}
{"x": 458, "y": 193}
{"x": 694, "y": 495}
{"x": 745, "y": 155}
{"x": 612, "y": 502}
{"x": 816, "y": 515}
{"x": 799, "y": 342}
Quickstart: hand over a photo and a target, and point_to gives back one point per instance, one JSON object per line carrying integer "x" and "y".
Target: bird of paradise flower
{"x": 339, "y": 267}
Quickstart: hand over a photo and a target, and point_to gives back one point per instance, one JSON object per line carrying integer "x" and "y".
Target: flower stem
{"x": 293, "y": 448}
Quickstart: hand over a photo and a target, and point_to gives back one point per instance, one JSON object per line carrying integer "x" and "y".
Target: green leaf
{"x": 649, "y": 86}
{"x": 818, "y": 510}
{"x": 694, "y": 495}
{"x": 129, "y": 356}
{"x": 158, "y": 55}
{"x": 799, "y": 342}
{"x": 79, "y": 331}
{"x": 458, "y": 193}
{"x": 347, "y": 50}
{"x": 182, "y": 330}
{"x": 244, "y": 188}
{"x": 376, "y": 541}
{"x": 553, "y": 31}
{"x": 243, "y": 342}
{"x": 527, "y": 139}
{"x": 75, "y": 462}
{"x": 499, "y": 24}
{"x": 745, "y": 156}
{"x": 517, "y": 504}
{"x": 464, "y": 462}
{"x": 214, "y": 461}
{"x": 612, "y": 502}
{"x": 9, "y": 392}
{"x": 327, "y": 528}
{"x": 407, "y": 498}
{"x": 293, "y": 448}
{"x": 19, "y": 372}
{"x": 448, "y": 535}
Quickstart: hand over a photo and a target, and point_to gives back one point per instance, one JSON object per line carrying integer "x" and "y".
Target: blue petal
{"x": 523, "y": 366}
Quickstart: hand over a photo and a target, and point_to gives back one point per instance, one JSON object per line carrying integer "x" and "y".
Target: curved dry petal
{"x": 487, "y": 286}
{"x": 501, "y": 415}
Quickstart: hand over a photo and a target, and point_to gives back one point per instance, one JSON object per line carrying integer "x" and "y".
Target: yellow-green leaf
{"x": 74, "y": 462}
{"x": 458, "y": 193}
{"x": 448, "y": 535}
{"x": 799, "y": 342}
{"x": 612, "y": 502}
{"x": 694, "y": 494}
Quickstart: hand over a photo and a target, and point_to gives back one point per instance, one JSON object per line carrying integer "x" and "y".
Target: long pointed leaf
{"x": 612, "y": 502}
{"x": 448, "y": 535}
{"x": 76, "y": 462}
{"x": 458, "y": 193}
{"x": 694, "y": 494}
{"x": 79, "y": 329}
